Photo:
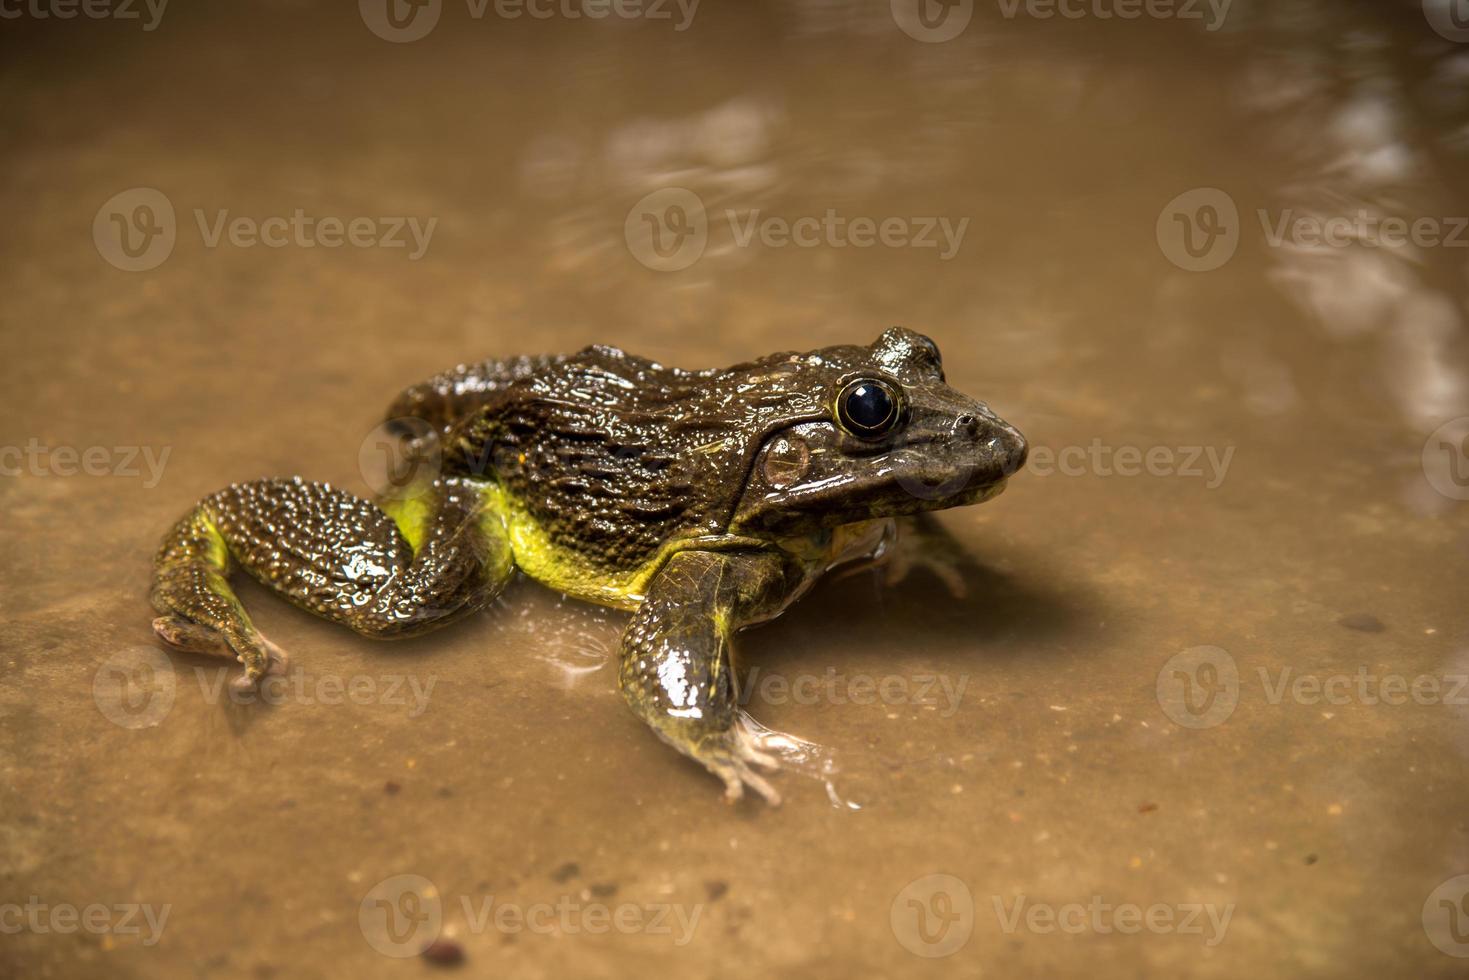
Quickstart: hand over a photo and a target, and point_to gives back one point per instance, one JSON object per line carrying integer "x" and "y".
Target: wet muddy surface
{"x": 1193, "y": 700}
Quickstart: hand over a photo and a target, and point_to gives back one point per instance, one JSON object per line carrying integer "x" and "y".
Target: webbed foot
{"x": 731, "y": 755}
{"x": 258, "y": 655}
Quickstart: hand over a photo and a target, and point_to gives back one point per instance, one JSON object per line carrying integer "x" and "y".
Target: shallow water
{"x": 1164, "y": 691}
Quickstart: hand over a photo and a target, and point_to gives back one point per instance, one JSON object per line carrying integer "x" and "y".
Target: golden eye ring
{"x": 869, "y": 408}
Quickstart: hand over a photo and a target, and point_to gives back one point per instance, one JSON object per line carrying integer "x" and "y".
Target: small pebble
{"x": 1311, "y": 859}
{"x": 716, "y": 889}
{"x": 443, "y": 952}
{"x": 1366, "y": 622}
{"x": 391, "y": 788}
{"x": 1147, "y": 807}
{"x": 566, "y": 872}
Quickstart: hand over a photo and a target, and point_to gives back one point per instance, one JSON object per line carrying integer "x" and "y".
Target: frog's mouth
{"x": 933, "y": 472}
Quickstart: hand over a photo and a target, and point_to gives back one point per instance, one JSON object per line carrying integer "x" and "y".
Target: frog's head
{"x": 892, "y": 439}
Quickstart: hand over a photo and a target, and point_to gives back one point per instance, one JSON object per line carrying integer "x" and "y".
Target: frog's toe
{"x": 737, "y": 774}
{"x": 746, "y": 750}
{"x": 181, "y": 634}
{"x": 261, "y": 658}
{"x": 731, "y": 759}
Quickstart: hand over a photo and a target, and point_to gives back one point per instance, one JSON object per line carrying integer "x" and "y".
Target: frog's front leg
{"x": 438, "y": 556}
{"x": 676, "y": 671}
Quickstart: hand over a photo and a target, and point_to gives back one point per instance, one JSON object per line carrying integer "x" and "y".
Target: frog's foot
{"x": 676, "y": 673}
{"x": 731, "y": 756}
{"x": 923, "y": 543}
{"x": 258, "y": 655}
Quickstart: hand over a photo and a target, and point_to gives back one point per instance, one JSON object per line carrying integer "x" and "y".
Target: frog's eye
{"x": 868, "y": 408}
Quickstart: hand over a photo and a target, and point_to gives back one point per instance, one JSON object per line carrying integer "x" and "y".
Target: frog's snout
{"x": 1001, "y": 447}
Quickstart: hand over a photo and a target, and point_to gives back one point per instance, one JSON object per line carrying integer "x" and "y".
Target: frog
{"x": 700, "y": 502}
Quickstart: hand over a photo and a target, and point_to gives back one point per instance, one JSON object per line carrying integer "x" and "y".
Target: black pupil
{"x": 869, "y": 406}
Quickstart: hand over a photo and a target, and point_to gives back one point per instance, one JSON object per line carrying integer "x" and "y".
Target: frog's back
{"x": 463, "y": 390}
{"x": 586, "y": 457}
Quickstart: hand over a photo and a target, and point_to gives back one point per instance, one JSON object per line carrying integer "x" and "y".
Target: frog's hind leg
{"x": 676, "y": 672}
{"x": 438, "y": 557}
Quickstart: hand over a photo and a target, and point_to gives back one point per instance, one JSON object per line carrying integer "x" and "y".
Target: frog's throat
{"x": 566, "y": 571}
